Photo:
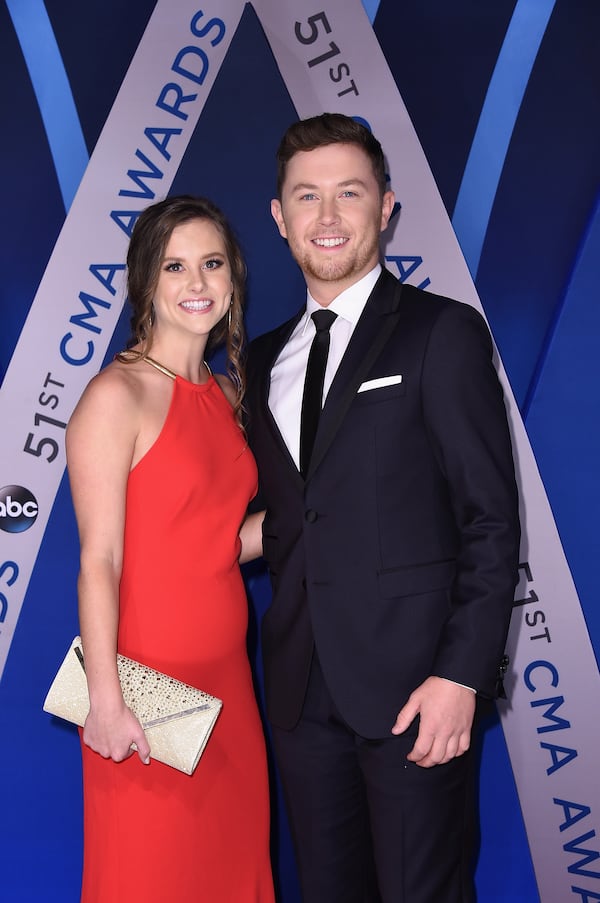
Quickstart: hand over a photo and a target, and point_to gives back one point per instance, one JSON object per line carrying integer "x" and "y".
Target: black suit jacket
{"x": 398, "y": 555}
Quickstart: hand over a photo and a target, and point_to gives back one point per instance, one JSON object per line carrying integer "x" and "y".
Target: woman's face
{"x": 194, "y": 286}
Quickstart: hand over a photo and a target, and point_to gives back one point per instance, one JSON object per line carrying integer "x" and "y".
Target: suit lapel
{"x": 372, "y": 331}
{"x": 280, "y": 337}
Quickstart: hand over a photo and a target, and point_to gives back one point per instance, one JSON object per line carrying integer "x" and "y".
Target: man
{"x": 392, "y": 542}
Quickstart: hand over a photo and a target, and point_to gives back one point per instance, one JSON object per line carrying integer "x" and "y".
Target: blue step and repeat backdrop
{"x": 488, "y": 113}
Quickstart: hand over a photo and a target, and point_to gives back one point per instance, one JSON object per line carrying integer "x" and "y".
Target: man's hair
{"x": 329, "y": 128}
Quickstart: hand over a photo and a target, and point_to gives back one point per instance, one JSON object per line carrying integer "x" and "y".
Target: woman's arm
{"x": 100, "y": 444}
{"x": 251, "y": 537}
{"x": 251, "y": 529}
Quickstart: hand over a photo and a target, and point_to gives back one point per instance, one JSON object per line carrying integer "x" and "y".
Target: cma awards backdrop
{"x": 488, "y": 113}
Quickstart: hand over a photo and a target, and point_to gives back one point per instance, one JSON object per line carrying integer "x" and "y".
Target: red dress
{"x": 152, "y": 833}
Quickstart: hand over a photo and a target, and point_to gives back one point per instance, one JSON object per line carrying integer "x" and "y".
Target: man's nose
{"x": 328, "y": 212}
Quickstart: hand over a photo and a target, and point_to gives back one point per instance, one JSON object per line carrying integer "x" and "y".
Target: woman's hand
{"x": 113, "y": 733}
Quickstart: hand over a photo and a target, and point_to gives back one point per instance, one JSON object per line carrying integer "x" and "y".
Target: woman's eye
{"x": 173, "y": 267}
{"x": 213, "y": 264}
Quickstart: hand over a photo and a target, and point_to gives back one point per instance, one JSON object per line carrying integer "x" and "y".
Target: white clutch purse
{"x": 177, "y": 718}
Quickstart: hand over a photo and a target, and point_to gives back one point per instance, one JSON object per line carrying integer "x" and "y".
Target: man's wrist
{"x": 458, "y": 684}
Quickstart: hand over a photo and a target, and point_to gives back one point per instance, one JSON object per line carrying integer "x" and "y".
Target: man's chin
{"x": 328, "y": 270}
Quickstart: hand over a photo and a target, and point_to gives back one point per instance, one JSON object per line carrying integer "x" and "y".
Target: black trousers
{"x": 368, "y": 826}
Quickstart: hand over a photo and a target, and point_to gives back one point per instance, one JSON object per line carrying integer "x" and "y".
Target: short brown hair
{"x": 329, "y": 128}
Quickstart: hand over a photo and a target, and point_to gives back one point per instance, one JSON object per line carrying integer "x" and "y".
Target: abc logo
{"x": 18, "y": 509}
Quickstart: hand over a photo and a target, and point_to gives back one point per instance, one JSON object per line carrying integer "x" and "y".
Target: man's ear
{"x": 387, "y": 205}
{"x": 277, "y": 214}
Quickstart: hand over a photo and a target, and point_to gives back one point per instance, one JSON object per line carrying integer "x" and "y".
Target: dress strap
{"x": 166, "y": 370}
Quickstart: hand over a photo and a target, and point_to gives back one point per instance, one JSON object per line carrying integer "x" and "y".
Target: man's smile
{"x": 329, "y": 242}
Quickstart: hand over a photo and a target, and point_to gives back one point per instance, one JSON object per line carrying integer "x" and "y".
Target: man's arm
{"x": 466, "y": 419}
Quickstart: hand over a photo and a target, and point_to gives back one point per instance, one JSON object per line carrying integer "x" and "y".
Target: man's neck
{"x": 324, "y": 293}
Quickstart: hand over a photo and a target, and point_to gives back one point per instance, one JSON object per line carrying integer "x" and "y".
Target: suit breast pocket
{"x": 379, "y": 394}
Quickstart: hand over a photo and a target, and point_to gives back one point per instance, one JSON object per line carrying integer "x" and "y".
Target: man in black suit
{"x": 391, "y": 537}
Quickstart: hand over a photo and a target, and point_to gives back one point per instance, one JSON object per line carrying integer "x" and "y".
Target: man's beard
{"x": 327, "y": 270}
{"x": 332, "y": 269}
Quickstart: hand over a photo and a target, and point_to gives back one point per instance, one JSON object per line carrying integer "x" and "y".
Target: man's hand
{"x": 446, "y": 711}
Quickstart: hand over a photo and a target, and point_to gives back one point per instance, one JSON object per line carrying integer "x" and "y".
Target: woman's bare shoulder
{"x": 113, "y": 393}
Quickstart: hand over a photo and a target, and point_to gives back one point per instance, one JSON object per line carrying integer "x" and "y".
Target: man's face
{"x": 331, "y": 213}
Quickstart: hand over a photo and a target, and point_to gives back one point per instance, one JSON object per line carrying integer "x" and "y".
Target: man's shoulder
{"x": 410, "y": 294}
{"x": 263, "y": 343}
{"x": 432, "y": 306}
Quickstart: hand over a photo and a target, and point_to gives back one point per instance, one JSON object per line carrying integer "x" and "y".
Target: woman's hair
{"x": 326, "y": 129}
{"x": 145, "y": 256}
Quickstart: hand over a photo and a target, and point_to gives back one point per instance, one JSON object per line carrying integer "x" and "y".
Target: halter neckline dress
{"x": 152, "y": 833}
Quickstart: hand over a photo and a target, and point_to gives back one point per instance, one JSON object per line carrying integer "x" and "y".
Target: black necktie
{"x": 312, "y": 398}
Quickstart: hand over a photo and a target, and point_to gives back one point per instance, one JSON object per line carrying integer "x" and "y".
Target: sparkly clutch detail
{"x": 177, "y": 718}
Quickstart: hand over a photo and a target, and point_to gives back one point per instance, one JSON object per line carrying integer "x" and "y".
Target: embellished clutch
{"x": 177, "y": 718}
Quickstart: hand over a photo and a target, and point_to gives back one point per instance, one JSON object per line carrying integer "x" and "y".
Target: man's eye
{"x": 308, "y": 197}
{"x": 349, "y": 194}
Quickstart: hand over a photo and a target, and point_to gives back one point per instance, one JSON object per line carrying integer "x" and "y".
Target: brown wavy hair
{"x": 325, "y": 129}
{"x": 145, "y": 255}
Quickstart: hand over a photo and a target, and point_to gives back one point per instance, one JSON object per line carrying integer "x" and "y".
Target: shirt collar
{"x": 350, "y": 303}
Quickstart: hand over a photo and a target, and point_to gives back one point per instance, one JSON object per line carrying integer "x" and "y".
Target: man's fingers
{"x": 437, "y": 750}
{"x": 405, "y": 718}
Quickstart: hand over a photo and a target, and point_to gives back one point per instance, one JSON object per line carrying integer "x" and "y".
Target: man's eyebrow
{"x": 349, "y": 182}
{"x": 307, "y": 186}
{"x": 304, "y": 186}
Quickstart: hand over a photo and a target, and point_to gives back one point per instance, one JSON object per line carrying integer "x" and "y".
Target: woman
{"x": 161, "y": 477}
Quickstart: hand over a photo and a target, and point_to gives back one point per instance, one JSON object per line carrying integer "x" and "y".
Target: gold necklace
{"x": 166, "y": 370}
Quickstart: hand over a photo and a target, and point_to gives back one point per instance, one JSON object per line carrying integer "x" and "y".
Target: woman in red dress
{"x": 161, "y": 477}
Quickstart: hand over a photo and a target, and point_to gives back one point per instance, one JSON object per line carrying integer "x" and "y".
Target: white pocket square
{"x": 380, "y": 382}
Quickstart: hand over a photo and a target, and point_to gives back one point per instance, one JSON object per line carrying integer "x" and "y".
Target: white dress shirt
{"x": 289, "y": 370}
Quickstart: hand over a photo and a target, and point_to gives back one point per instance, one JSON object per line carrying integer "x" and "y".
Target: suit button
{"x": 311, "y": 516}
